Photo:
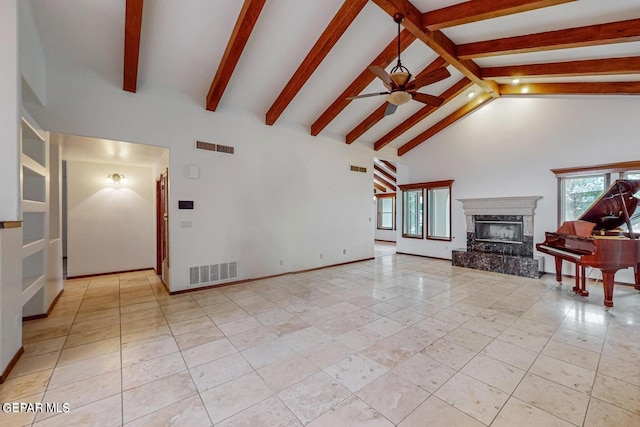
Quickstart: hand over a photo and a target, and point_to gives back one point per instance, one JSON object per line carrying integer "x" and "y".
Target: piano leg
{"x": 558, "y": 269}
{"x": 583, "y": 281}
{"x": 607, "y": 284}
{"x": 636, "y": 271}
{"x": 576, "y": 288}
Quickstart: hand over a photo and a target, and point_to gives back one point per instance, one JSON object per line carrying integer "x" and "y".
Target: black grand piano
{"x": 596, "y": 239}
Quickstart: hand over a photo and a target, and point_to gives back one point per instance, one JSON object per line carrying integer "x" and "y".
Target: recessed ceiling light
{"x": 471, "y": 94}
{"x": 515, "y": 81}
{"x": 525, "y": 90}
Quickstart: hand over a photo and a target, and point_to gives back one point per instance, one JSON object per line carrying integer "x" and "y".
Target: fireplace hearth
{"x": 500, "y": 236}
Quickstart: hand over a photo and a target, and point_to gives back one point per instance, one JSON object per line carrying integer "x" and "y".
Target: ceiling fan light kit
{"x": 401, "y": 89}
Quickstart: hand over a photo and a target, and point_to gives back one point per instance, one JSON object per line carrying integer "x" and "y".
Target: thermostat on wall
{"x": 185, "y": 204}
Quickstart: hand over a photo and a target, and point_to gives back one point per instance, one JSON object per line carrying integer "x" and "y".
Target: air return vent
{"x": 201, "y": 145}
{"x": 358, "y": 169}
{"x": 208, "y": 274}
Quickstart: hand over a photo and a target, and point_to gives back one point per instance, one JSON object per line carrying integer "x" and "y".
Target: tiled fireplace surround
{"x": 495, "y": 255}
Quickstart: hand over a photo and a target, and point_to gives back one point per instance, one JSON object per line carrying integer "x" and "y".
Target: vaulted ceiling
{"x": 294, "y": 63}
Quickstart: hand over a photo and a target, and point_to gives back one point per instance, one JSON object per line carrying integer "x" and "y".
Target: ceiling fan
{"x": 400, "y": 88}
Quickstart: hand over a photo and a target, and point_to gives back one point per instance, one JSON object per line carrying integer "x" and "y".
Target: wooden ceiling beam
{"x": 449, "y": 94}
{"x": 384, "y": 173}
{"x": 378, "y": 114}
{"x": 437, "y": 41}
{"x": 591, "y": 67}
{"x": 581, "y": 88}
{"x": 385, "y": 58}
{"x": 466, "y": 109}
{"x": 336, "y": 28}
{"x": 389, "y": 165}
{"x": 132, "y": 30}
{"x": 379, "y": 187}
{"x": 479, "y": 10}
{"x": 591, "y": 35}
{"x": 239, "y": 36}
{"x": 381, "y": 180}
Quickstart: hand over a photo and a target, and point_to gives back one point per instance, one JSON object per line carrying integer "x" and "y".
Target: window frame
{"x": 611, "y": 171}
{"x": 419, "y": 217}
{"x": 393, "y": 210}
{"x": 430, "y": 236}
{"x": 425, "y": 187}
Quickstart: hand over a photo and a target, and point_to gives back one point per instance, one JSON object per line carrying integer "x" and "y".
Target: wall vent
{"x": 201, "y": 145}
{"x": 208, "y": 146}
{"x": 225, "y": 149}
{"x": 224, "y": 271}
{"x": 233, "y": 270}
{"x": 207, "y": 274}
{"x": 358, "y": 169}
{"x": 194, "y": 275}
{"x": 214, "y": 273}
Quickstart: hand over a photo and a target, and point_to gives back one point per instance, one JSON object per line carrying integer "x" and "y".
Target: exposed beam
{"x": 468, "y": 108}
{"x": 389, "y": 165}
{"x": 437, "y": 41}
{"x": 591, "y": 35}
{"x": 479, "y": 10}
{"x": 591, "y": 67}
{"x": 366, "y": 124}
{"x": 362, "y": 81}
{"x": 379, "y": 187}
{"x": 239, "y": 36}
{"x": 378, "y": 114}
{"x": 424, "y": 112}
{"x": 132, "y": 29}
{"x": 583, "y": 88}
{"x": 384, "y": 182}
{"x": 384, "y": 173}
{"x": 338, "y": 25}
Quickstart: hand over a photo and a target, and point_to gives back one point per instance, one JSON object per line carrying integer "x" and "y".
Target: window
{"x": 579, "y": 187}
{"x": 437, "y": 196}
{"x": 386, "y": 212}
{"x": 439, "y": 216}
{"x": 578, "y": 193}
{"x": 413, "y": 213}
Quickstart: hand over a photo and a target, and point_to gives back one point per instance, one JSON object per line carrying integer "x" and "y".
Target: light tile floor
{"x": 399, "y": 340}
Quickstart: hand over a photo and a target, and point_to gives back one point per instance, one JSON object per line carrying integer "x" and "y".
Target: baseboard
{"x": 424, "y": 256}
{"x": 112, "y": 272}
{"x": 44, "y": 315}
{"x": 387, "y": 241}
{"x": 237, "y": 282}
{"x": 11, "y": 364}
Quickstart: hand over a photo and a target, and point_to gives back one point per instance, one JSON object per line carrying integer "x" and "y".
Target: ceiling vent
{"x": 201, "y": 145}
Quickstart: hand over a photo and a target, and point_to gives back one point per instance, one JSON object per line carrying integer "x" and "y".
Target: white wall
{"x": 110, "y": 226}
{"x": 508, "y": 147}
{"x": 284, "y": 196}
{"x": 31, "y": 54}
{"x": 10, "y": 239}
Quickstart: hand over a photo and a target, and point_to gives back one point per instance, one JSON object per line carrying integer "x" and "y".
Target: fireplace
{"x": 509, "y": 232}
{"x": 500, "y": 236}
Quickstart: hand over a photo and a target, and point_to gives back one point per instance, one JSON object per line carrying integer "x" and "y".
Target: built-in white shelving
{"x": 34, "y": 160}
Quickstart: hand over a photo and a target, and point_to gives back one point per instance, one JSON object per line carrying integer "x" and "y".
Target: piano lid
{"x": 608, "y": 212}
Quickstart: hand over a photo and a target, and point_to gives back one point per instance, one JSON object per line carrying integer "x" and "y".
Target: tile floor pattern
{"x": 399, "y": 340}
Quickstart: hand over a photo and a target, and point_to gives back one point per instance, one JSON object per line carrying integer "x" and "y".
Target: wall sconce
{"x": 116, "y": 178}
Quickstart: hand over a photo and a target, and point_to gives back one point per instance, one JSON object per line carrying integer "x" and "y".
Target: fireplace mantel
{"x": 500, "y": 205}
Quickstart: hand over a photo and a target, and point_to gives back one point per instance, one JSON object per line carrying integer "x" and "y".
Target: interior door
{"x": 163, "y": 221}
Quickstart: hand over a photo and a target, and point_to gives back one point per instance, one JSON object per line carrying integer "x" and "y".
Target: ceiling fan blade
{"x": 382, "y": 74}
{"x": 367, "y": 95}
{"x": 434, "y": 101}
{"x": 391, "y": 108}
{"x": 429, "y": 78}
